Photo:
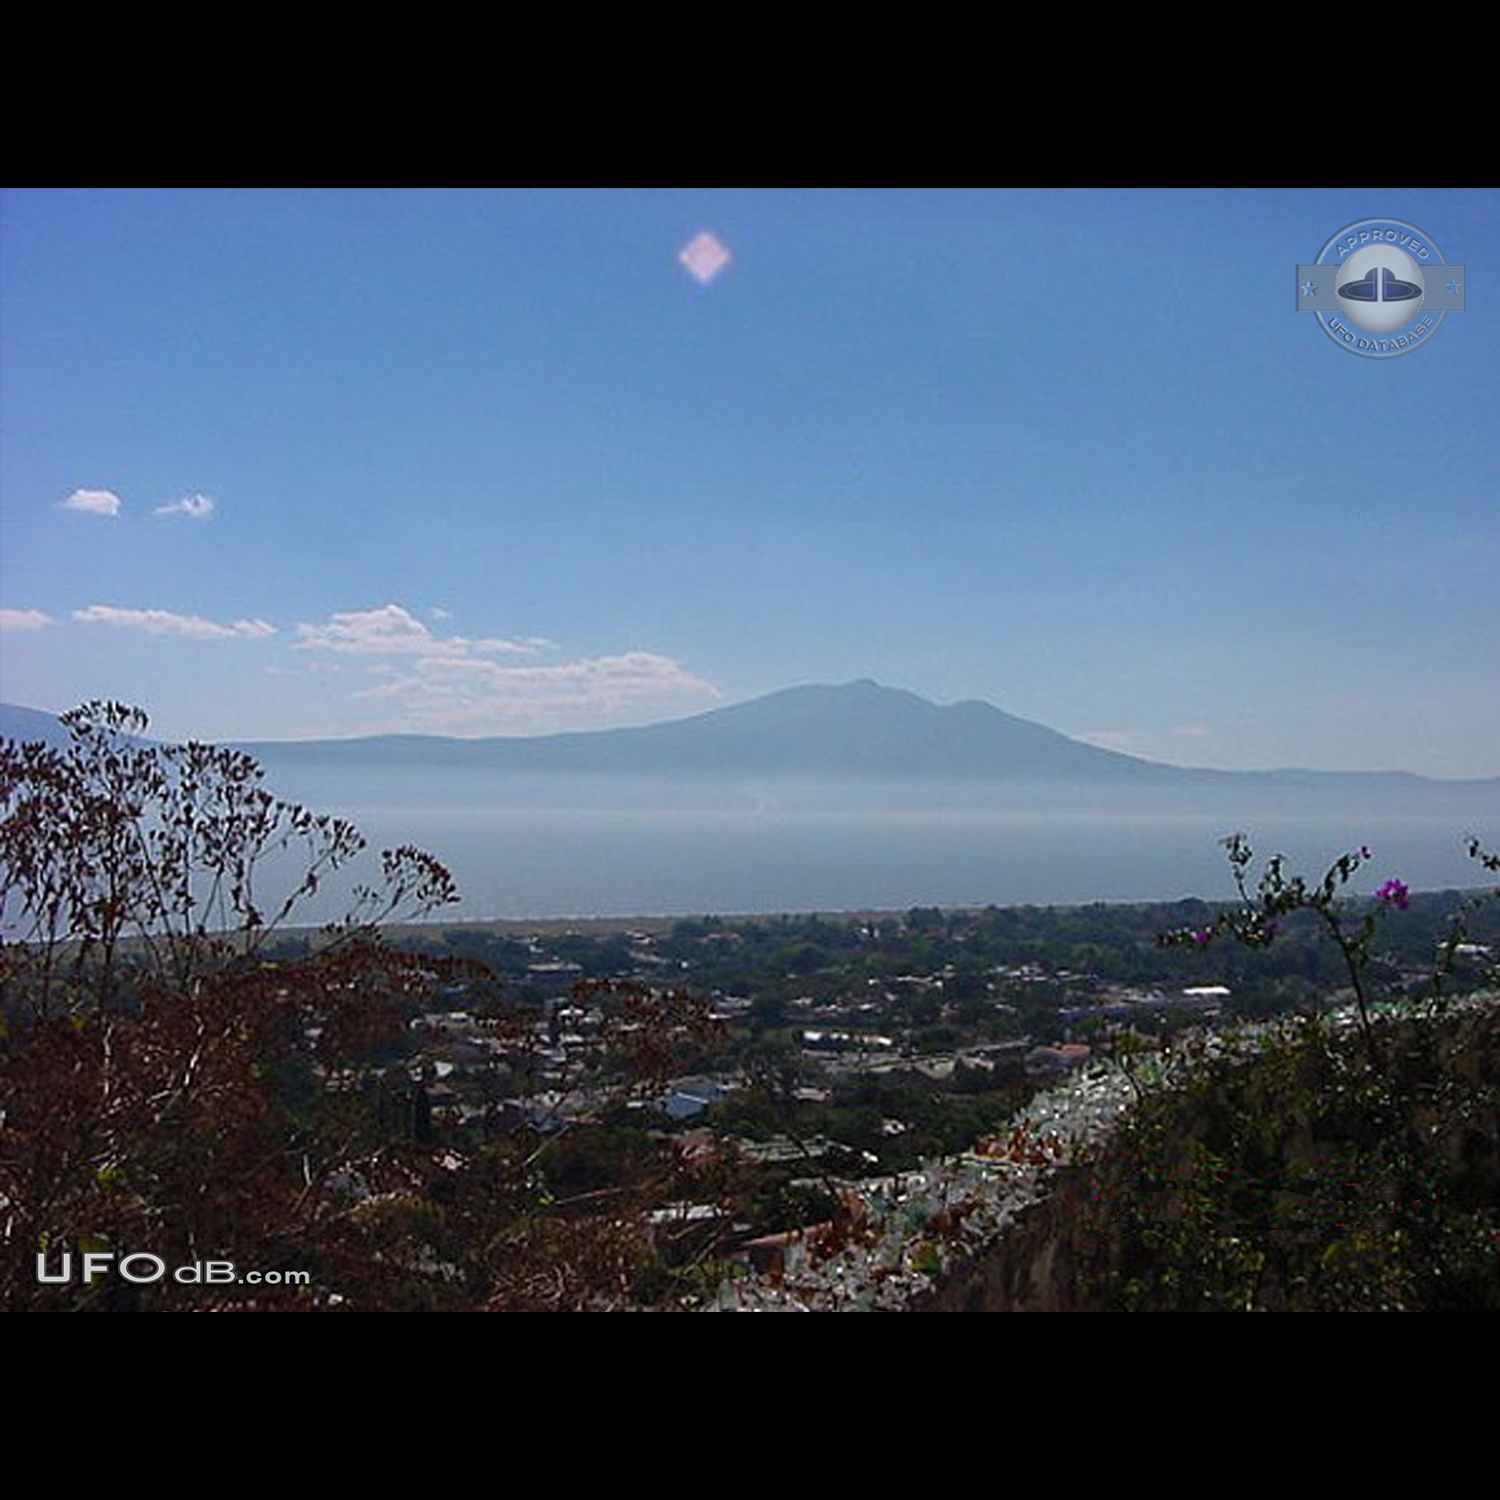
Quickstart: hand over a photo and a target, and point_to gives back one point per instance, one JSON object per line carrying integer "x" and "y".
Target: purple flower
{"x": 1394, "y": 893}
{"x": 1202, "y": 935}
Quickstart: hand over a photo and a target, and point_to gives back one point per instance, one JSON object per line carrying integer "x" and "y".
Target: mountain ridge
{"x": 859, "y": 729}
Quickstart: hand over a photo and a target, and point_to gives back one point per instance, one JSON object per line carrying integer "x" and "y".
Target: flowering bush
{"x": 1293, "y": 1176}
{"x": 1261, "y": 915}
{"x": 1394, "y": 893}
{"x": 1315, "y": 1177}
{"x": 1277, "y": 895}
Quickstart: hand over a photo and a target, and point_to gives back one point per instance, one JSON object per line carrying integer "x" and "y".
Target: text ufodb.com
{"x": 141, "y": 1267}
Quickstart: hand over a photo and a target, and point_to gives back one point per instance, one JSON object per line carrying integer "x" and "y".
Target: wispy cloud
{"x": 93, "y": 502}
{"x": 165, "y": 622}
{"x": 458, "y": 695}
{"x": 23, "y": 619}
{"x": 394, "y": 631}
{"x": 195, "y": 507}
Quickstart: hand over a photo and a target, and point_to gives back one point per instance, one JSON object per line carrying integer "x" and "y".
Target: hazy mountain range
{"x": 844, "y": 798}
{"x": 858, "y": 731}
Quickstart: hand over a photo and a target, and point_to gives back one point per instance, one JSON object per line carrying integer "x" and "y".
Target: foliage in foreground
{"x": 1308, "y": 1180}
{"x": 1333, "y": 1172}
{"x": 175, "y": 1093}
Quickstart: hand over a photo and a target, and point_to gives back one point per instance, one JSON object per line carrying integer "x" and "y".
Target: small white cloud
{"x": 165, "y": 622}
{"x": 469, "y": 695}
{"x": 195, "y": 507}
{"x": 387, "y": 631}
{"x": 23, "y": 619}
{"x": 394, "y": 631}
{"x": 93, "y": 502}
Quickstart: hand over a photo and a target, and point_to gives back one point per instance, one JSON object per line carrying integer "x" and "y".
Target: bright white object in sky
{"x": 704, "y": 256}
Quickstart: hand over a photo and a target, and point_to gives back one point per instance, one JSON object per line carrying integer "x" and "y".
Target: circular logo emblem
{"x": 1380, "y": 288}
{"x": 1378, "y": 272}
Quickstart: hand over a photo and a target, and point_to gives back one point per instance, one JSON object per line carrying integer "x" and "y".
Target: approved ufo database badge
{"x": 1380, "y": 288}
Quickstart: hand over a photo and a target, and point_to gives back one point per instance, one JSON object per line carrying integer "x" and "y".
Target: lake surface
{"x": 562, "y": 847}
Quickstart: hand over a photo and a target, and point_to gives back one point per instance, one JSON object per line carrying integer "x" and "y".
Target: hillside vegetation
{"x": 1302, "y": 1179}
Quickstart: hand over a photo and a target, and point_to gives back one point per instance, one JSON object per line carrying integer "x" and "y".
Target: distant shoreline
{"x": 556, "y": 925}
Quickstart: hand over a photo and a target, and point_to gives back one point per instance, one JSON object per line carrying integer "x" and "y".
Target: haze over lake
{"x": 568, "y": 846}
{"x": 824, "y": 798}
{"x": 517, "y": 862}
{"x": 857, "y": 796}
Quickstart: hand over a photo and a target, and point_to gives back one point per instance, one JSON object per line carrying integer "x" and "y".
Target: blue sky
{"x": 335, "y": 463}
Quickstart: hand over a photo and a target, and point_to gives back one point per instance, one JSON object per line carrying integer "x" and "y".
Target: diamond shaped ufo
{"x": 704, "y": 256}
